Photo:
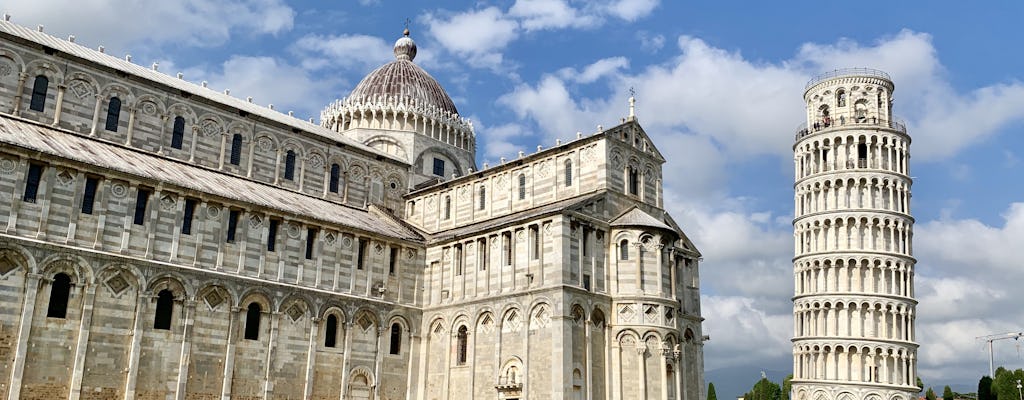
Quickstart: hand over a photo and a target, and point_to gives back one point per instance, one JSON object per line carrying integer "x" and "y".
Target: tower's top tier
{"x": 847, "y": 98}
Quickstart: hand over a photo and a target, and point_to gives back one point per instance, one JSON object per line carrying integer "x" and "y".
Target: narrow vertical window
{"x": 35, "y": 175}
{"x": 89, "y": 197}
{"x": 38, "y": 102}
{"x": 331, "y": 331}
{"x": 462, "y": 339}
{"x": 186, "y": 220}
{"x": 289, "y": 165}
{"x": 272, "y": 234}
{"x": 361, "y": 254}
{"x": 506, "y": 243}
{"x": 568, "y": 173}
{"x": 335, "y": 178}
{"x": 624, "y": 250}
{"x": 60, "y": 290}
{"x": 633, "y": 181}
{"x": 232, "y": 225}
{"x": 447, "y": 207}
{"x": 236, "y": 149}
{"x": 482, "y": 251}
{"x": 439, "y": 167}
{"x": 164, "y": 310}
{"x": 113, "y": 114}
{"x": 522, "y": 186}
{"x": 141, "y": 199}
{"x": 458, "y": 259}
{"x": 310, "y": 240}
{"x": 483, "y": 197}
{"x": 534, "y": 242}
{"x": 396, "y": 339}
{"x": 252, "y": 321}
{"x": 178, "y": 133}
{"x": 393, "y": 261}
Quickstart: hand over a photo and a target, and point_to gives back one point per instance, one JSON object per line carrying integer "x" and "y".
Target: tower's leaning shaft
{"x": 853, "y": 306}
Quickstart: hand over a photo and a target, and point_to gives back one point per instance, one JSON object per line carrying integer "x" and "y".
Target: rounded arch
{"x": 304, "y": 302}
{"x": 169, "y": 281}
{"x": 18, "y": 256}
{"x": 46, "y": 68}
{"x": 74, "y": 266}
{"x": 361, "y": 371}
{"x": 387, "y": 145}
{"x": 460, "y": 320}
{"x": 401, "y": 320}
{"x": 19, "y": 63}
{"x": 240, "y": 128}
{"x": 293, "y": 145}
{"x": 333, "y": 309}
{"x": 160, "y": 107}
{"x": 183, "y": 110}
{"x": 115, "y": 89}
{"x": 109, "y": 270}
{"x": 442, "y": 150}
{"x": 257, "y": 295}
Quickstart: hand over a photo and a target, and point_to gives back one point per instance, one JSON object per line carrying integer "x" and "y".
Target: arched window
{"x": 462, "y": 339}
{"x": 252, "y": 321}
{"x": 396, "y": 338}
{"x": 335, "y": 178}
{"x": 60, "y": 290}
{"x": 236, "y": 149}
{"x": 633, "y": 179}
{"x": 522, "y": 186}
{"x": 624, "y": 250}
{"x": 178, "y": 133}
{"x": 568, "y": 172}
{"x": 447, "y": 207}
{"x": 38, "y": 102}
{"x": 113, "y": 114}
{"x": 289, "y": 165}
{"x": 164, "y": 310}
{"x": 331, "y": 331}
{"x": 840, "y": 98}
{"x": 483, "y": 197}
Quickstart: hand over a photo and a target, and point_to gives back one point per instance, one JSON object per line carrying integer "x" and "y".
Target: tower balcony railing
{"x": 845, "y": 120}
{"x": 871, "y": 72}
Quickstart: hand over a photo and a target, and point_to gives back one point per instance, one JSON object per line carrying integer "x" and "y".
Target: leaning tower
{"x": 854, "y": 307}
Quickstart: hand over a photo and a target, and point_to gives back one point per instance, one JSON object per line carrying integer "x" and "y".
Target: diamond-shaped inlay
{"x": 167, "y": 203}
{"x": 651, "y": 314}
{"x": 209, "y": 128}
{"x": 255, "y": 220}
{"x": 330, "y": 238}
{"x": 65, "y": 177}
{"x": 81, "y": 88}
{"x": 365, "y": 323}
{"x": 295, "y": 312}
{"x": 213, "y": 298}
{"x": 626, "y": 313}
{"x": 117, "y": 284}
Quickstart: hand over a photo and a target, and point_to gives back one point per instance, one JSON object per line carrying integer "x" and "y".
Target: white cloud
{"x": 548, "y": 14}
{"x": 138, "y": 24}
{"x": 322, "y": 51}
{"x": 630, "y": 10}
{"x": 599, "y": 69}
{"x": 479, "y": 35}
{"x": 650, "y": 42}
{"x": 741, "y": 333}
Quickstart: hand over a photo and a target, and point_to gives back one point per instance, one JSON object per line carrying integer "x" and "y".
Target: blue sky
{"x": 718, "y": 85}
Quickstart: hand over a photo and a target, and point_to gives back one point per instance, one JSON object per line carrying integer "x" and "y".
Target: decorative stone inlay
{"x": 6, "y": 68}
{"x": 346, "y": 242}
{"x": 588, "y": 154}
{"x": 521, "y": 236}
{"x": 616, "y": 160}
{"x": 293, "y": 231}
{"x": 167, "y": 203}
{"x": 463, "y": 193}
{"x": 214, "y": 298}
{"x": 487, "y": 325}
{"x": 255, "y": 221}
{"x": 209, "y": 128}
{"x": 626, "y": 313}
{"x": 364, "y": 323}
{"x": 118, "y": 190}
{"x": 148, "y": 108}
{"x": 212, "y": 211}
{"x": 379, "y": 248}
{"x": 65, "y": 177}
{"x": 446, "y": 255}
{"x": 330, "y": 238}
{"x": 116, "y": 284}
{"x": 410, "y": 253}
{"x": 356, "y": 172}
{"x": 80, "y": 88}
{"x": 502, "y": 181}
{"x": 8, "y": 165}
{"x": 295, "y": 312}
{"x": 547, "y": 229}
{"x": 431, "y": 201}
{"x": 512, "y": 323}
{"x": 670, "y": 315}
{"x": 316, "y": 161}
{"x": 651, "y": 315}
{"x": 599, "y": 235}
{"x": 541, "y": 319}
{"x": 393, "y": 186}
{"x": 264, "y": 143}
{"x": 544, "y": 168}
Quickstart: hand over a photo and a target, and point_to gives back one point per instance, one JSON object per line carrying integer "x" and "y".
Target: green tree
{"x": 764, "y": 389}
{"x": 787, "y": 386}
{"x": 1004, "y": 386}
{"x": 947, "y": 393}
{"x": 920, "y": 385}
{"x": 711, "y": 391}
{"x": 930, "y": 394}
{"x": 985, "y": 389}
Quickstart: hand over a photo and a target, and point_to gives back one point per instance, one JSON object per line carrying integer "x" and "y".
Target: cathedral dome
{"x": 402, "y": 81}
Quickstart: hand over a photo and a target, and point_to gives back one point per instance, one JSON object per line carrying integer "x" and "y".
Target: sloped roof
{"x": 636, "y": 217}
{"x": 517, "y": 217}
{"x": 16, "y": 132}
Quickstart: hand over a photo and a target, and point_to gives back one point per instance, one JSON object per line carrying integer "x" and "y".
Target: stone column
{"x": 24, "y": 329}
{"x": 252, "y": 152}
{"x": 641, "y": 349}
{"x": 590, "y": 359}
{"x": 223, "y": 146}
{"x": 163, "y": 129}
{"x": 616, "y": 368}
{"x": 96, "y": 115}
{"x": 131, "y": 126}
{"x": 345, "y": 358}
{"x": 195, "y": 142}
{"x": 314, "y": 329}
{"x": 189, "y": 306}
{"x": 60, "y": 104}
{"x": 268, "y": 384}
{"x": 379, "y": 362}
{"x": 16, "y": 110}
{"x": 82, "y": 343}
{"x": 133, "y": 353}
{"x": 229, "y": 354}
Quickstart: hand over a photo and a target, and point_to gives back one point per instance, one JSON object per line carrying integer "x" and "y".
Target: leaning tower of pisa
{"x": 854, "y": 307}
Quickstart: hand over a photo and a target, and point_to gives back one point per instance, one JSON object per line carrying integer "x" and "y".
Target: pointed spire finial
{"x": 632, "y": 104}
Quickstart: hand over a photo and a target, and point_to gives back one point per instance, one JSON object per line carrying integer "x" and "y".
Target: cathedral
{"x": 162, "y": 240}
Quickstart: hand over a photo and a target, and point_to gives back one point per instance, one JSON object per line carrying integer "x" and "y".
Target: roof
{"x": 402, "y": 81}
{"x": 519, "y": 217}
{"x": 636, "y": 217}
{"x": 119, "y": 64}
{"x": 16, "y": 132}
